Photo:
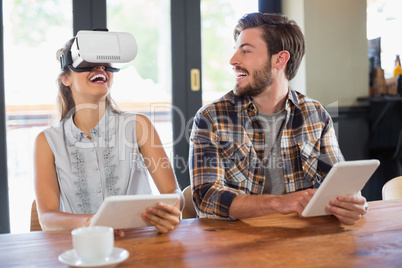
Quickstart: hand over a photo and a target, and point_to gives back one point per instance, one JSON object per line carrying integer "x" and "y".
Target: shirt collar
{"x": 245, "y": 102}
{"x": 292, "y": 99}
{"x": 102, "y": 129}
{"x": 239, "y": 102}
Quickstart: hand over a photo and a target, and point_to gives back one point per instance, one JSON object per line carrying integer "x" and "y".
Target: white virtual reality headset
{"x": 99, "y": 47}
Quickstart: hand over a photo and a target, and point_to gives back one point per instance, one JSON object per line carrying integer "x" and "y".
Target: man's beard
{"x": 261, "y": 79}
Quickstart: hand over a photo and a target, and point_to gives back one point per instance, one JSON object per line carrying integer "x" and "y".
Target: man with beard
{"x": 263, "y": 147}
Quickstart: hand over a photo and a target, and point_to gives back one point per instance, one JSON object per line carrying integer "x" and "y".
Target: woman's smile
{"x": 98, "y": 78}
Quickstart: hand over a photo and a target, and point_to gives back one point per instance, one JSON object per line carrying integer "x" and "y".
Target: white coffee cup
{"x": 93, "y": 243}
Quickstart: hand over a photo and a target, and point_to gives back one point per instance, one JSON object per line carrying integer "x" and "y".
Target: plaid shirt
{"x": 227, "y": 150}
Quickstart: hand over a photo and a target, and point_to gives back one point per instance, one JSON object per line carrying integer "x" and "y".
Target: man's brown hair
{"x": 279, "y": 33}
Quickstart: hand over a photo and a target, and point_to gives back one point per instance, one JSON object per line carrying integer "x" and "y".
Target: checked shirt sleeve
{"x": 330, "y": 151}
{"x": 211, "y": 196}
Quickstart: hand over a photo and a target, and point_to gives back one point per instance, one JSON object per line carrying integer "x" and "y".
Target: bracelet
{"x": 365, "y": 208}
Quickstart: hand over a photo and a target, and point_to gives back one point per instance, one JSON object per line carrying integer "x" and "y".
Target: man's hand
{"x": 247, "y": 206}
{"x": 348, "y": 208}
{"x": 294, "y": 202}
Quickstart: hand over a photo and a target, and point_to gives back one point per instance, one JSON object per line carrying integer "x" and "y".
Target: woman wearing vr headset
{"x": 97, "y": 151}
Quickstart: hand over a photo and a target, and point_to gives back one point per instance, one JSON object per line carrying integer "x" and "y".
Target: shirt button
{"x": 96, "y": 169}
{"x": 99, "y": 191}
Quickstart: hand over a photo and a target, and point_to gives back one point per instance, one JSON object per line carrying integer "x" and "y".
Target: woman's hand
{"x": 164, "y": 217}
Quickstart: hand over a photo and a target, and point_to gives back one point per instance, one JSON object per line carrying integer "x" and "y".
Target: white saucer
{"x": 71, "y": 258}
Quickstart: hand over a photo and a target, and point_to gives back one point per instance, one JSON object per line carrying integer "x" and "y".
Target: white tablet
{"x": 124, "y": 211}
{"x": 344, "y": 178}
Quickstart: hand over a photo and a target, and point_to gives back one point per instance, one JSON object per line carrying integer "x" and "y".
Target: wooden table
{"x": 270, "y": 241}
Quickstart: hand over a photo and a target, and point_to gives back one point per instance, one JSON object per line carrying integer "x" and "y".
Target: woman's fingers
{"x": 164, "y": 217}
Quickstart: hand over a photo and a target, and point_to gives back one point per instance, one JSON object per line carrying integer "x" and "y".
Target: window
{"x": 144, "y": 85}
{"x": 384, "y": 20}
{"x": 218, "y": 19}
{"x": 33, "y": 31}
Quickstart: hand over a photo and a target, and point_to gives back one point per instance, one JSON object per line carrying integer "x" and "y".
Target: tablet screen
{"x": 124, "y": 211}
{"x": 347, "y": 177}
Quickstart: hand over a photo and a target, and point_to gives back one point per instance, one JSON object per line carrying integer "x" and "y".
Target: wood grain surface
{"x": 270, "y": 241}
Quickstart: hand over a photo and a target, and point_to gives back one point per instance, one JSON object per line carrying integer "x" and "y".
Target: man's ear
{"x": 65, "y": 79}
{"x": 280, "y": 59}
